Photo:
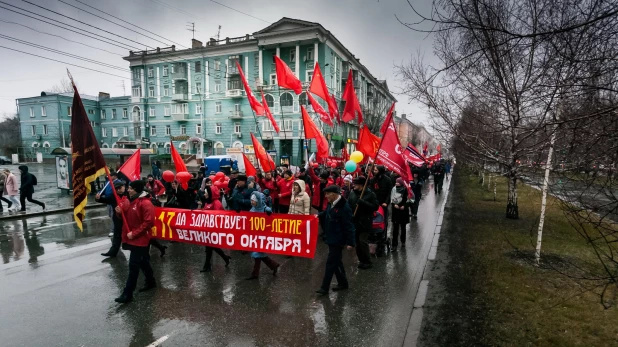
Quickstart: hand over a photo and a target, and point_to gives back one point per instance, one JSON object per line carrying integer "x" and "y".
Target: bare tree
{"x": 63, "y": 87}
{"x": 10, "y": 136}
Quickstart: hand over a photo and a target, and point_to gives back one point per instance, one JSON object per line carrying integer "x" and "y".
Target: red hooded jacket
{"x": 317, "y": 192}
{"x": 270, "y": 184}
{"x": 285, "y": 190}
{"x": 140, "y": 217}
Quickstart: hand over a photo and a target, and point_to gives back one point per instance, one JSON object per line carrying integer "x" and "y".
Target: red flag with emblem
{"x": 286, "y": 77}
{"x": 132, "y": 167}
{"x": 390, "y": 152}
{"x": 269, "y": 115}
{"x": 389, "y": 117}
{"x": 255, "y": 104}
{"x": 318, "y": 85}
{"x": 317, "y": 108}
{"x": 368, "y": 143}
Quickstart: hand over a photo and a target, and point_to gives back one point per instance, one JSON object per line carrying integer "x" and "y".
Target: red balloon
{"x": 315, "y": 165}
{"x": 168, "y": 176}
{"x": 219, "y": 175}
{"x": 333, "y": 165}
{"x": 183, "y": 178}
{"x": 212, "y": 177}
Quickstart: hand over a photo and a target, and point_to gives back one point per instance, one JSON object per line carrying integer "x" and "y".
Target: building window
{"x": 236, "y": 108}
{"x": 267, "y": 126}
{"x": 287, "y": 124}
{"x": 137, "y": 74}
{"x": 218, "y": 128}
{"x": 233, "y": 84}
{"x": 218, "y": 107}
{"x": 92, "y": 124}
{"x": 45, "y": 130}
{"x": 151, "y": 91}
{"x": 43, "y": 111}
{"x": 125, "y": 113}
{"x": 70, "y": 111}
{"x": 293, "y": 55}
{"x": 198, "y": 88}
{"x": 198, "y": 66}
{"x": 32, "y": 112}
{"x": 173, "y": 68}
{"x": 166, "y": 90}
{"x": 217, "y": 86}
{"x": 137, "y": 132}
{"x": 165, "y": 70}
{"x": 309, "y": 76}
{"x": 183, "y": 130}
{"x": 167, "y": 111}
{"x": 198, "y": 109}
{"x": 103, "y": 114}
{"x": 114, "y": 113}
{"x": 273, "y": 79}
{"x": 90, "y": 111}
{"x": 153, "y": 130}
{"x": 125, "y": 131}
{"x": 270, "y": 100}
{"x": 168, "y": 130}
{"x": 309, "y": 54}
{"x": 303, "y": 100}
{"x": 151, "y": 112}
{"x": 286, "y": 100}
{"x": 33, "y": 130}
{"x": 150, "y": 72}
{"x": 198, "y": 129}
{"x": 236, "y": 128}
{"x": 217, "y": 65}
{"x": 104, "y": 132}
{"x": 181, "y": 108}
{"x": 114, "y": 132}
{"x": 137, "y": 92}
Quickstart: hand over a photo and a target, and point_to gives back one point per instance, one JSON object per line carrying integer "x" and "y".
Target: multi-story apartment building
{"x": 197, "y": 92}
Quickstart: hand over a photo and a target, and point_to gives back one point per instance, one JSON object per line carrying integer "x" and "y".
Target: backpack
{"x": 34, "y": 181}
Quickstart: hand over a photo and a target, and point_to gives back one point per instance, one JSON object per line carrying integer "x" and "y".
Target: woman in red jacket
{"x": 140, "y": 216}
{"x": 154, "y": 187}
{"x": 318, "y": 200}
{"x": 211, "y": 204}
{"x": 284, "y": 186}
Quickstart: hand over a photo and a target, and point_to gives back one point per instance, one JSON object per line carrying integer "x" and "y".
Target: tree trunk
{"x": 512, "y": 211}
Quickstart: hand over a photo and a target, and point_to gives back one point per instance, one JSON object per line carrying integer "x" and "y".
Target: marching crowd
{"x": 354, "y": 210}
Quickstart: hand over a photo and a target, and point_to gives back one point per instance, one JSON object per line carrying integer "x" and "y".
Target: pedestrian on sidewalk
{"x": 400, "y": 216}
{"x": 363, "y": 209}
{"x": 339, "y": 232}
{"x": 3, "y": 191}
{"x": 258, "y": 205}
{"x": 28, "y": 181}
{"x": 11, "y": 190}
{"x": 140, "y": 217}
{"x": 210, "y": 204}
{"x": 116, "y": 219}
{"x": 417, "y": 189}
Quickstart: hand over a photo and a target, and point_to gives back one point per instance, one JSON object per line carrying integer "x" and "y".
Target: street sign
{"x": 145, "y": 140}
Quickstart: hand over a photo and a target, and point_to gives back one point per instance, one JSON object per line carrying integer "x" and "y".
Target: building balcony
{"x": 180, "y": 75}
{"x": 234, "y": 93}
{"x": 267, "y": 87}
{"x": 181, "y": 117}
{"x": 180, "y": 97}
{"x": 236, "y": 114}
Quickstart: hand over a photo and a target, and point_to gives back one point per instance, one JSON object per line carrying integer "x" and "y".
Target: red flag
{"x": 352, "y": 107}
{"x": 255, "y": 104}
{"x": 286, "y": 77}
{"x": 387, "y": 121}
{"x": 439, "y": 148}
{"x": 344, "y": 154}
{"x": 368, "y": 143}
{"x": 132, "y": 167}
{"x": 268, "y": 114}
{"x": 88, "y": 162}
{"x": 412, "y": 155}
{"x": 266, "y": 162}
{"x": 249, "y": 168}
{"x": 434, "y": 157}
{"x": 390, "y": 153}
{"x": 333, "y": 110}
{"x": 177, "y": 159}
{"x": 317, "y": 108}
{"x": 425, "y": 149}
{"x": 312, "y": 132}
{"x": 318, "y": 85}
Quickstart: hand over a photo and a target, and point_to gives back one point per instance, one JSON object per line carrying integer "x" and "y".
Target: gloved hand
{"x": 238, "y": 210}
{"x": 268, "y": 213}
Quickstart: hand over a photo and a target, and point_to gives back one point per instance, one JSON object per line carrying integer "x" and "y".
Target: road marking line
{"x": 158, "y": 342}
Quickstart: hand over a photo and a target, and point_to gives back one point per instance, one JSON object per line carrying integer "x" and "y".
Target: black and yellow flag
{"x": 88, "y": 162}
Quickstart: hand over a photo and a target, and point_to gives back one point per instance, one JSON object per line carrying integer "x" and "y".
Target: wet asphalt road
{"x": 55, "y": 290}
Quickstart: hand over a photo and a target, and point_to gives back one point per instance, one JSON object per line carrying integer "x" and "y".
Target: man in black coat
{"x": 339, "y": 232}
{"x": 116, "y": 220}
{"x": 28, "y": 181}
{"x": 382, "y": 185}
{"x": 362, "y": 209}
{"x": 241, "y": 195}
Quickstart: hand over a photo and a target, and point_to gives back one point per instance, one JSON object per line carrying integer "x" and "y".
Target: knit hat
{"x": 118, "y": 184}
{"x": 400, "y": 181}
{"x": 347, "y": 178}
{"x": 137, "y": 185}
{"x": 241, "y": 177}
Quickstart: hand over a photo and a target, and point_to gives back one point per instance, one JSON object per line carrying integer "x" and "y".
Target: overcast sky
{"x": 367, "y": 28}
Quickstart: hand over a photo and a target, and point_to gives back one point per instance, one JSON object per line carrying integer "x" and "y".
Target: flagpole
{"x": 370, "y": 171}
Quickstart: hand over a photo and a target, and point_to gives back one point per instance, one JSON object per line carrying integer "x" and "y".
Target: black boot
{"x": 148, "y": 287}
{"x": 124, "y": 299}
{"x": 207, "y": 268}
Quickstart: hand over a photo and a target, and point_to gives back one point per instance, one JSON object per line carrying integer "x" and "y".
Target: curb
{"x": 47, "y": 212}
{"x": 416, "y": 319}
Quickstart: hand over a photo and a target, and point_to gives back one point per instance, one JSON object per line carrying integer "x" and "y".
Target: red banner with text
{"x": 294, "y": 235}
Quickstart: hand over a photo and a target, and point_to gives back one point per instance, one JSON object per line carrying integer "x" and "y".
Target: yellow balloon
{"x": 356, "y": 156}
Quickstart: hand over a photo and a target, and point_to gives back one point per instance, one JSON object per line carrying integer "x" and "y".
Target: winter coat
{"x": 270, "y": 184}
{"x": 2, "y": 179}
{"x": 10, "y": 185}
{"x": 318, "y": 199}
{"x": 241, "y": 199}
{"x": 300, "y": 203}
{"x": 155, "y": 188}
{"x": 337, "y": 224}
{"x": 212, "y": 202}
{"x": 399, "y": 196}
{"x": 382, "y": 185}
{"x": 181, "y": 195}
{"x": 285, "y": 190}
{"x": 27, "y": 182}
{"x": 366, "y": 207}
{"x": 305, "y": 177}
{"x": 260, "y": 207}
{"x": 140, "y": 217}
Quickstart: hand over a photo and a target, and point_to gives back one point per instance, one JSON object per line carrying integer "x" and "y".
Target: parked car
{"x": 4, "y": 160}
